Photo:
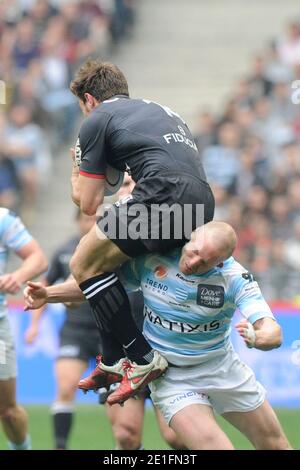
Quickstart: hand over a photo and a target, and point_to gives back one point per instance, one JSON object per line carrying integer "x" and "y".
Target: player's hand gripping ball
{"x": 114, "y": 177}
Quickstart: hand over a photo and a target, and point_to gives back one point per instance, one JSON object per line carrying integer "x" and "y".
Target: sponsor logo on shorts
{"x": 184, "y": 396}
{"x": 210, "y": 296}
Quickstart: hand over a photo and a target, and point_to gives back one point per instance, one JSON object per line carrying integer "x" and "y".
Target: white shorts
{"x": 224, "y": 383}
{"x": 8, "y": 362}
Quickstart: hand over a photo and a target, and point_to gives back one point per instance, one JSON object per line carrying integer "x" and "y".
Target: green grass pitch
{"x": 92, "y": 430}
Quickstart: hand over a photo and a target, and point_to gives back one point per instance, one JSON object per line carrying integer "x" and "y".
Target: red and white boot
{"x": 136, "y": 377}
{"x": 103, "y": 376}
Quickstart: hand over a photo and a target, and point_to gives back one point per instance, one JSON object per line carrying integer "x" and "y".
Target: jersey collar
{"x": 114, "y": 98}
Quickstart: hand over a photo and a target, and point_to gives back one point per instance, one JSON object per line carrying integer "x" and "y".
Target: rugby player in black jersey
{"x": 155, "y": 145}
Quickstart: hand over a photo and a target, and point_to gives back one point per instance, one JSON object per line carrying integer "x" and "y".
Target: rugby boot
{"x": 136, "y": 377}
{"x": 102, "y": 376}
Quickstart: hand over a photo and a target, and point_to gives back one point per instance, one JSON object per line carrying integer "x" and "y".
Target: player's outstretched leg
{"x": 13, "y": 417}
{"x": 92, "y": 266}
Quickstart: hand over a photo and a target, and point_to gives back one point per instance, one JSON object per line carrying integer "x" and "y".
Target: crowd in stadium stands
{"x": 42, "y": 42}
{"x": 251, "y": 153}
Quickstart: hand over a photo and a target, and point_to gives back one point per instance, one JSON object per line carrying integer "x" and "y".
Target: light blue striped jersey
{"x": 188, "y": 317}
{"x": 13, "y": 236}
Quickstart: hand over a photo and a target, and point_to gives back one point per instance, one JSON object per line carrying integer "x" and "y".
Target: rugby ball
{"x": 114, "y": 180}
{"x": 114, "y": 177}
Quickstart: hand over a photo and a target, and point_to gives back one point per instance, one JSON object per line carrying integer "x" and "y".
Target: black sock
{"x": 62, "y": 423}
{"x": 111, "y": 309}
{"x": 111, "y": 349}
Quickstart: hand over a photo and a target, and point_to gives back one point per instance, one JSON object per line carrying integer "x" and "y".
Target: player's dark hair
{"x": 101, "y": 79}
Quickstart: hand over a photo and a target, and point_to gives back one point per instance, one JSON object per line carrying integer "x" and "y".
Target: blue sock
{"x": 26, "y": 445}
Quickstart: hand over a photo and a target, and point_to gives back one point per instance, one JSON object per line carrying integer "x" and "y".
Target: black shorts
{"x": 77, "y": 342}
{"x": 160, "y": 214}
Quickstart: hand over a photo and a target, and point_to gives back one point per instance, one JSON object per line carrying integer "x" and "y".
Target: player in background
{"x": 156, "y": 147}
{"x": 14, "y": 237}
{"x": 190, "y": 298}
{"x": 79, "y": 341}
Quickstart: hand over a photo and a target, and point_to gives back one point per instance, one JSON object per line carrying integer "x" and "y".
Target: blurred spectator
{"x": 281, "y": 103}
{"x": 122, "y": 21}
{"x": 257, "y": 201}
{"x": 9, "y": 184}
{"x": 276, "y": 70}
{"x": 221, "y": 161}
{"x": 40, "y": 13}
{"x": 25, "y": 47}
{"x": 289, "y": 47}
{"x": 294, "y": 197}
{"x": 280, "y": 281}
{"x": 246, "y": 175}
{"x": 25, "y": 146}
{"x": 205, "y": 133}
{"x": 259, "y": 84}
{"x": 280, "y": 218}
{"x": 292, "y": 247}
{"x": 221, "y": 201}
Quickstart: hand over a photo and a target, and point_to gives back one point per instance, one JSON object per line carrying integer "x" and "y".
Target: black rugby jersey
{"x": 138, "y": 136}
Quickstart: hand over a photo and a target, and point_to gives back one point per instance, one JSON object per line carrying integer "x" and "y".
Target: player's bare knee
{"x": 276, "y": 442}
{"x": 8, "y": 413}
{"x": 66, "y": 392}
{"x": 281, "y": 443}
{"x": 271, "y": 439}
{"x": 172, "y": 439}
{"x": 126, "y": 436}
{"x": 66, "y": 396}
{"x": 207, "y": 439}
{"x": 82, "y": 270}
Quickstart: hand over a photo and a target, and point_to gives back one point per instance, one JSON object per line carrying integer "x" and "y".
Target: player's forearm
{"x": 268, "y": 334}
{"x": 36, "y": 314}
{"x": 92, "y": 192}
{"x": 75, "y": 193}
{"x": 67, "y": 291}
{"x": 31, "y": 267}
